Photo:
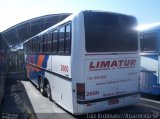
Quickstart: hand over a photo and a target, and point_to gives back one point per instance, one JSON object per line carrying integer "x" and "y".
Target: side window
{"x": 34, "y": 45}
{"x": 55, "y": 42}
{"x": 38, "y": 44}
{"x": 27, "y": 48}
{"x": 61, "y": 39}
{"x": 41, "y": 44}
{"x": 30, "y": 46}
{"x": 148, "y": 42}
{"x": 49, "y": 45}
{"x": 32, "y": 50}
{"x": 45, "y": 39}
{"x": 67, "y": 38}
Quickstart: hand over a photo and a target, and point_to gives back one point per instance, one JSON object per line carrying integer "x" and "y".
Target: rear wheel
{"x": 48, "y": 91}
{"x": 41, "y": 86}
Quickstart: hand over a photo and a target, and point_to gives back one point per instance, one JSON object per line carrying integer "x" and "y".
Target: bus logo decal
{"x": 107, "y": 65}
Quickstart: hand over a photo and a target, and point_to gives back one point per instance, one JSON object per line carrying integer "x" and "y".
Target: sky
{"x": 13, "y": 12}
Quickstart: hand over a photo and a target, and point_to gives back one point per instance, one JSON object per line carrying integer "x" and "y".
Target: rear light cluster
{"x": 80, "y": 91}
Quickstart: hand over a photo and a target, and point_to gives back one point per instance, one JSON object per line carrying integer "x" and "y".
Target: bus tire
{"x": 48, "y": 90}
{"x": 41, "y": 86}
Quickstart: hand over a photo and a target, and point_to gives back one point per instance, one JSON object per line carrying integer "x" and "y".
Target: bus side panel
{"x": 149, "y": 74}
{"x": 52, "y": 68}
{"x": 61, "y": 65}
{"x": 61, "y": 81}
{"x": 35, "y": 65}
{"x": 61, "y": 90}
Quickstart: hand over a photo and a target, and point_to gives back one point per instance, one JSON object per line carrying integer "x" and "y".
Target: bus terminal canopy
{"x": 17, "y": 34}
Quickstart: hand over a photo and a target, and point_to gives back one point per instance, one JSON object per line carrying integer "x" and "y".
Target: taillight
{"x": 80, "y": 91}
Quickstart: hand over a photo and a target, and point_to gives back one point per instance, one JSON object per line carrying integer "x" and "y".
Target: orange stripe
{"x": 40, "y": 60}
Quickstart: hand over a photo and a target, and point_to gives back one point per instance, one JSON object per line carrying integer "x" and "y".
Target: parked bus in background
{"x": 150, "y": 60}
{"x": 88, "y": 62}
{"x": 3, "y": 54}
{"x": 15, "y": 61}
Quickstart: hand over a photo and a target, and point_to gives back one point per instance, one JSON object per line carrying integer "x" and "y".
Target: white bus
{"x": 88, "y": 62}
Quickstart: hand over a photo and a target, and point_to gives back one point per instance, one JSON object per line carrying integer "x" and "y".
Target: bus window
{"x": 26, "y": 44}
{"x": 30, "y": 46}
{"x": 45, "y": 42}
{"x": 38, "y": 44}
{"x": 67, "y": 38}
{"x": 49, "y": 42}
{"x": 148, "y": 42}
{"x": 110, "y": 33}
{"x": 41, "y": 44}
{"x": 61, "y": 39}
{"x": 34, "y": 45}
{"x": 55, "y": 38}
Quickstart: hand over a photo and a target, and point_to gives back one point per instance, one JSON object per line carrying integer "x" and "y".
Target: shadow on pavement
{"x": 16, "y": 103}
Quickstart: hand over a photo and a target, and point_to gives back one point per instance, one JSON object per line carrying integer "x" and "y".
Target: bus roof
{"x": 69, "y": 18}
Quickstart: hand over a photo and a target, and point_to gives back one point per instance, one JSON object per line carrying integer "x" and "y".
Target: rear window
{"x": 108, "y": 32}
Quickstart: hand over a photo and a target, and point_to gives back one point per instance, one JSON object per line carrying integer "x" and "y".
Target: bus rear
{"x": 109, "y": 62}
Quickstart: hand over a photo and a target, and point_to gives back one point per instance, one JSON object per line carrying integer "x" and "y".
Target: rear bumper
{"x": 93, "y": 107}
{"x": 106, "y": 98}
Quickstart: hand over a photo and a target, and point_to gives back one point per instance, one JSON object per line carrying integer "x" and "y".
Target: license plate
{"x": 113, "y": 101}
